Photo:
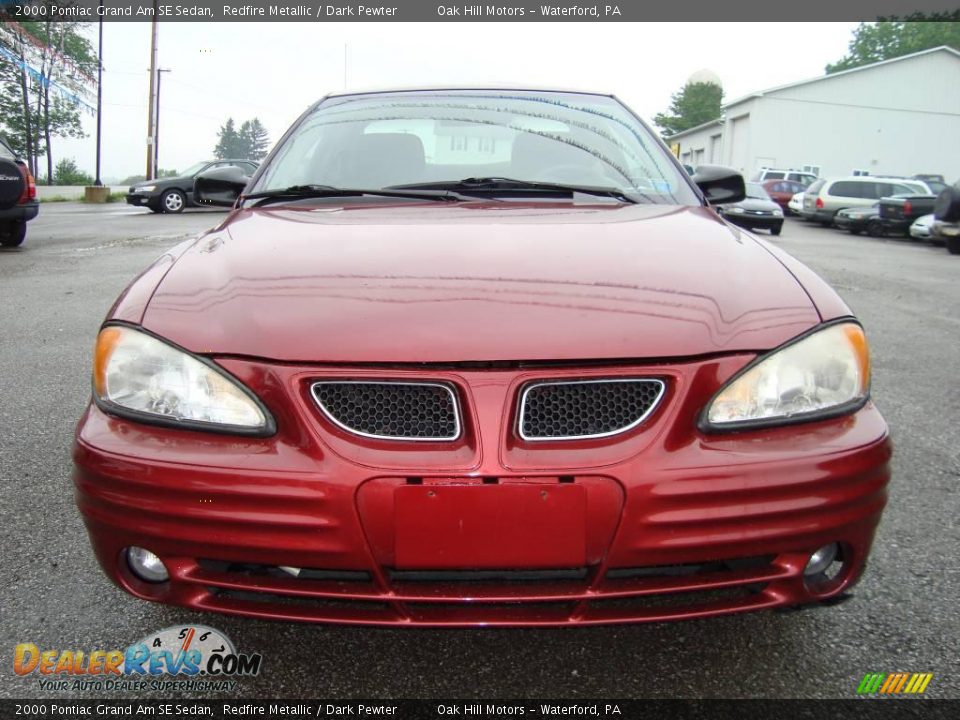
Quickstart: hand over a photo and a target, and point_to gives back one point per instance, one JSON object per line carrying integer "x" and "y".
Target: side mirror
{"x": 947, "y": 206}
{"x": 220, "y": 187}
{"x": 720, "y": 184}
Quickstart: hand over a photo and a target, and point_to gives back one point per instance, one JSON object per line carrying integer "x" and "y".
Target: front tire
{"x": 875, "y": 229}
{"x": 776, "y": 229}
{"x": 13, "y": 234}
{"x": 173, "y": 201}
{"x": 953, "y": 245}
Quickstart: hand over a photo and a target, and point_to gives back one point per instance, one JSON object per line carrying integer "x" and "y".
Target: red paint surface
{"x": 282, "y": 298}
{"x": 310, "y": 497}
{"x": 421, "y": 283}
{"x": 538, "y": 525}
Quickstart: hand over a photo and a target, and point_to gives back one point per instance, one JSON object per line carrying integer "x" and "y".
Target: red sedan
{"x": 479, "y": 357}
{"x": 780, "y": 191}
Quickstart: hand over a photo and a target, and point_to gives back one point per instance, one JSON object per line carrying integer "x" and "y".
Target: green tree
{"x": 255, "y": 141}
{"x": 694, "y": 104}
{"x": 67, "y": 173}
{"x": 45, "y": 66}
{"x": 228, "y": 141}
{"x": 892, "y": 37}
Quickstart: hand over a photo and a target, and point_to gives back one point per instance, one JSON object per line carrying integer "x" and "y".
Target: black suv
{"x": 172, "y": 195}
{"x": 18, "y": 197}
{"x": 946, "y": 213}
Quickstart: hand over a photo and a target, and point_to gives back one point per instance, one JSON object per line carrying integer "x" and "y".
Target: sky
{"x": 274, "y": 71}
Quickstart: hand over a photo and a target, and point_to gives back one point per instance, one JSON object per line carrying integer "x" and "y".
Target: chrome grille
{"x": 583, "y": 409}
{"x": 391, "y": 410}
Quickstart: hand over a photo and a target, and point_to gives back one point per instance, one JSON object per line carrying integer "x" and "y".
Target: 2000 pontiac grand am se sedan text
{"x": 479, "y": 357}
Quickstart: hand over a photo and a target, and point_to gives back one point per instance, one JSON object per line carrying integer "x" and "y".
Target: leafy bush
{"x": 67, "y": 173}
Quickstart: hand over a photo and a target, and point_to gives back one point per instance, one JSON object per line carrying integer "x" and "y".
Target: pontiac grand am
{"x": 479, "y": 357}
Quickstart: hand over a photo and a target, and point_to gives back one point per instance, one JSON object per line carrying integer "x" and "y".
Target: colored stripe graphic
{"x": 870, "y": 683}
{"x": 894, "y": 683}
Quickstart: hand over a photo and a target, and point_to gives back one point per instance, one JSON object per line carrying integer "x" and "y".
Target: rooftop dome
{"x": 705, "y": 76}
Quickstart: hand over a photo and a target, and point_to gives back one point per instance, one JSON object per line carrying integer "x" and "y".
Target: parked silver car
{"x": 827, "y": 196}
{"x": 922, "y": 228}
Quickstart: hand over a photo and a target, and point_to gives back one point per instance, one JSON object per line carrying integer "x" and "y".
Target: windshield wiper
{"x": 499, "y": 184}
{"x": 303, "y": 192}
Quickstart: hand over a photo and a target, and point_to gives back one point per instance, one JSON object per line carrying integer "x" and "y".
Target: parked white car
{"x": 796, "y": 203}
{"x": 777, "y": 174}
{"x": 922, "y": 228}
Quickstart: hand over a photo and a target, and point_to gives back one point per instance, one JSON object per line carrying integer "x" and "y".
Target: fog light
{"x": 821, "y": 560}
{"x": 146, "y": 566}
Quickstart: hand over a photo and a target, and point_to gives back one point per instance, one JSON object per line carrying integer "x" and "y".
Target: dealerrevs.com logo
{"x": 191, "y": 658}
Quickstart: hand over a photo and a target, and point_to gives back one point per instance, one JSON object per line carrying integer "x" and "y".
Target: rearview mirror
{"x": 720, "y": 184}
{"x": 947, "y": 206}
{"x": 220, "y": 187}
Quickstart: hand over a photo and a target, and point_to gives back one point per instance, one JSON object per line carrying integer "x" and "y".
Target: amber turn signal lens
{"x": 858, "y": 341}
{"x": 106, "y": 343}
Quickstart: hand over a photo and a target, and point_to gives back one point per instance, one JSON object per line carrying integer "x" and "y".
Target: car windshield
{"x": 385, "y": 140}
{"x": 757, "y": 192}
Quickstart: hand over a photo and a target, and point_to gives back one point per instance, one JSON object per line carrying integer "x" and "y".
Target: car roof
{"x": 493, "y": 87}
{"x": 872, "y": 178}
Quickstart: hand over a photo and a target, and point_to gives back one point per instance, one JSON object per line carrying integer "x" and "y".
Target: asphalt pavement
{"x": 54, "y": 293}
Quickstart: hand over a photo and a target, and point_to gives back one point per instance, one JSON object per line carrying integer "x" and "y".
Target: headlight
{"x": 778, "y": 213}
{"x": 733, "y": 210}
{"x": 826, "y": 372}
{"x": 138, "y": 374}
{"x": 145, "y": 188}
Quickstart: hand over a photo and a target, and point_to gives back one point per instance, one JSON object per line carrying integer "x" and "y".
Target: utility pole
{"x": 156, "y": 125}
{"x": 97, "y": 182}
{"x": 151, "y": 130}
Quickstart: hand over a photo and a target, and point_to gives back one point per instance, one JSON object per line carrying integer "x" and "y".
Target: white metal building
{"x": 896, "y": 117}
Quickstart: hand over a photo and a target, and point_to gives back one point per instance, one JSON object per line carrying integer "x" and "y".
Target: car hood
{"x": 477, "y": 282}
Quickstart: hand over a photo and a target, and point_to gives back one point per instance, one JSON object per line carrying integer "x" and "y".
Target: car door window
{"x": 845, "y": 188}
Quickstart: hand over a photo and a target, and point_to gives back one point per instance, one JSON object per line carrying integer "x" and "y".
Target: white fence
{"x": 74, "y": 192}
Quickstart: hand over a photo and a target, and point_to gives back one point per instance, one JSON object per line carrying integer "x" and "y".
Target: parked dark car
{"x": 899, "y": 212}
{"x": 18, "y": 197}
{"x": 856, "y": 220}
{"x": 548, "y": 386}
{"x": 172, "y": 195}
{"x": 946, "y": 211}
{"x": 781, "y": 192}
{"x": 755, "y": 211}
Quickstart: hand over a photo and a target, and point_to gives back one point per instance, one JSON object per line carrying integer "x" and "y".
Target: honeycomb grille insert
{"x": 583, "y": 409}
{"x": 391, "y": 410}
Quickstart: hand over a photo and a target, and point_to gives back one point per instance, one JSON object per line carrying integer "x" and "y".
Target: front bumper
{"x": 679, "y": 524}
{"x": 754, "y": 221}
{"x": 142, "y": 199}
{"x": 845, "y": 222}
